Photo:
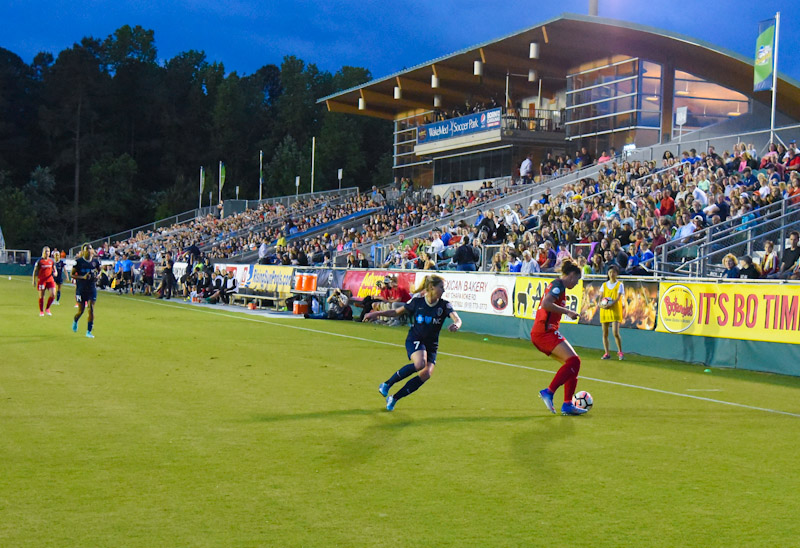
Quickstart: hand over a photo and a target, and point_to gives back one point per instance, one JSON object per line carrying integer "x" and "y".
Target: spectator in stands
{"x": 747, "y": 269}
{"x": 466, "y": 257}
{"x": 526, "y": 170}
{"x": 515, "y": 262}
{"x": 731, "y": 270}
{"x": 529, "y": 265}
{"x": 770, "y": 264}
{"x": 500, "y": 232}
{"x": 667, "y": 208}
{"x": 790, "y": 258}
{"x": 551, "y": 257}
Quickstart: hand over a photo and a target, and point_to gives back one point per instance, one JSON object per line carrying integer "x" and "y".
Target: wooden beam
{"x": 544, "y": 32}
{"x": 335, "y": 106}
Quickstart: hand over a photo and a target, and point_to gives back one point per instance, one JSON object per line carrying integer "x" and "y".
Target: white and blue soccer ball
{"x": 582, "y": 400}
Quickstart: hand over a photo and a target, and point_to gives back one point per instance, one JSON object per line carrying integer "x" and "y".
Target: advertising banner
{"x": 753, "y": 312}
{"x": 529, "y": 292}
{"x": 271, "y": 278}
{"x": 458, "y": 127}
{"x": 639, "y": 305}
{"x": 241, "y": 272}
{"x": 764, "y": 64}
{"x": 362, "y": 283}
{"x": 481, "y": 293}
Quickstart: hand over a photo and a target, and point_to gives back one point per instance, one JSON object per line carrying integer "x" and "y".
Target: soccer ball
{"x": 583, "y": 400}
{"x": 604, "y": 302}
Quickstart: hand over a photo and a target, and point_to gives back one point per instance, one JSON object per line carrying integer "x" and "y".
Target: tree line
{"x": 104, "y": 137}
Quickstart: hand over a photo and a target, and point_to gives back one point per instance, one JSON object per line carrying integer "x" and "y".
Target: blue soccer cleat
{"x": 569, "y": 409}
{"x": 384, "y": 389}
{"x": 75, "y": 326}
{"x": 89, "y": 335}
{"x": 547, "y": 398}
{"x": 390, "y": 403}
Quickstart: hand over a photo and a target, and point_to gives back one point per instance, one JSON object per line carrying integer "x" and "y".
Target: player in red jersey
{"x": 43, "y": 280}
{"x": 546, "y": 338}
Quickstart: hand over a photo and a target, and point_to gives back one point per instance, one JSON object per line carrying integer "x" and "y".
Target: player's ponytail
{"x": 568, "y": 267}
{"x": 428, "y": 283}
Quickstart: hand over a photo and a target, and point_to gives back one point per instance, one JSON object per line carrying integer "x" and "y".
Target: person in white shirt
{"x": 437, "y": 245}
{"x": 529, "y": 265}
{"x": 526, "y": 169}
{"x": 511, "y": 217}
{"x": 699, "y": 195}
{"x": 687, "y": 229}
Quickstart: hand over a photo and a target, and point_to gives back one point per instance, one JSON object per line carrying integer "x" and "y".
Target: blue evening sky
{"x": 382, "y": 36}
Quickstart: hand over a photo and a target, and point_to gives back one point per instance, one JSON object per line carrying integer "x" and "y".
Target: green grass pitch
{"x": 182, "y": 425}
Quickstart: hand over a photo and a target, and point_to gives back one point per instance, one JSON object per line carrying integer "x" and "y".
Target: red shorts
{"x": 48, "y": 284}
{"x": 546, "y": 342}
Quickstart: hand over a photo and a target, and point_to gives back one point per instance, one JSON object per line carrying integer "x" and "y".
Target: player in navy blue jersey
{"x": 428, "y": 313}
{"x": 58, "y": 276}
{"x": 85, "y": 274}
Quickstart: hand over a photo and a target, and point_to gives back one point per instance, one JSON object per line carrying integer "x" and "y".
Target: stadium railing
{"x": 703, "y": 256}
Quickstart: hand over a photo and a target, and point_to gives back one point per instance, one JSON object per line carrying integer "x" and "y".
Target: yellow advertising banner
{"x": 529, "y": 292}
{"x": 271, "y": 278}
{"x": 745, "y": 311}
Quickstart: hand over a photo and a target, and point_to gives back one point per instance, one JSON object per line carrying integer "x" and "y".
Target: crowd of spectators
{"x": 622, "y": 218}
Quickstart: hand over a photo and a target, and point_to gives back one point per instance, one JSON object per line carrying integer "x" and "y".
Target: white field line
{"x": 247, "y": 317}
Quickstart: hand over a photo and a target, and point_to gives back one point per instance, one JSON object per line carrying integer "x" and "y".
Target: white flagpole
{"x": 774, "y": 79}
{"x": 200, "y": 198}
{"x": 313, "y": 150}
{"x": 219, "y": 183}
{"x": 260, "y": 174}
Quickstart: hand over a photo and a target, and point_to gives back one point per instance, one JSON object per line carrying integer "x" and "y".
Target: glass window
{"x": 707, "y": 103}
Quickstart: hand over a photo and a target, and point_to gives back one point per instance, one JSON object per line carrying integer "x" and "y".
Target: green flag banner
{"x": 765, "y": 51}
{"x": 202, "y": 179}
{"x": 221, "y": 175}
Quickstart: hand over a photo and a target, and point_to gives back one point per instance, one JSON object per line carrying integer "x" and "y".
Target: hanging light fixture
{"x": 434, "y": 81}
{"x": 738, "y": 110}
{"x": 532, "y": 75}
{"x": 437, "y": 101}
{"x": 362, "y": 105}
{"x": 477, "y": 69}
{"x": 684, "y": 91}
{"x": 534, "y": 52}
{"x": 398, "y": 92}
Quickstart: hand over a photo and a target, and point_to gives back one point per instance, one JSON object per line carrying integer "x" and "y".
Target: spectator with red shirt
{"x": 667, "y": 204}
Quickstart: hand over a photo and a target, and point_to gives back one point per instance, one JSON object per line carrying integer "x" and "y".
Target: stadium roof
{"x": 565, "y": 42}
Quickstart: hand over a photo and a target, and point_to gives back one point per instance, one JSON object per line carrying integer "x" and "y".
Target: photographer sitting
{"x": 338, "y": 308}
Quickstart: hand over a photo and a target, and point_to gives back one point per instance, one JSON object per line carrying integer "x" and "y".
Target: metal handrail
{"x": 702, "y": 261}
{"x": 763, "y": 214}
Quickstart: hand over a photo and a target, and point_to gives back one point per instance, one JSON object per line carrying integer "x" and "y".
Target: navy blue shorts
{"x": 86, "y": 294}
{"x": 430, "y": 347}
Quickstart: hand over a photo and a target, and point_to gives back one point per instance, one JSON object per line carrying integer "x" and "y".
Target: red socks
{"x": 41, "y": 304}
{"x": 49, "y": 302}
{"x": 567, "y": 375}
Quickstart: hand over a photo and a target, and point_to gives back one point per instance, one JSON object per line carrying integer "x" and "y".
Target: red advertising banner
{"x": 362, "y": 283}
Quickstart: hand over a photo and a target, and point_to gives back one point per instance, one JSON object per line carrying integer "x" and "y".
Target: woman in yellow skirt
{"x": 611, "y": 310}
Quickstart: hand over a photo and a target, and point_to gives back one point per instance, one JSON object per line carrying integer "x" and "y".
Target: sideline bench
{"x": 267, "y": 299}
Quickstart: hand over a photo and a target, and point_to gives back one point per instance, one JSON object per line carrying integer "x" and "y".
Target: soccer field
{"x": 182, "y": 425}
